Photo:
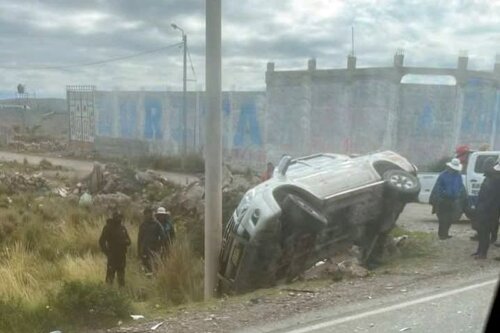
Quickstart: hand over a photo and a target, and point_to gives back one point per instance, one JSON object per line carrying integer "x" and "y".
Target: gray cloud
{"x": 61, "y": 32}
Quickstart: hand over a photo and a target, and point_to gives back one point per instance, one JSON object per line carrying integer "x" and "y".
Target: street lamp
{"x": 184, "y": 88}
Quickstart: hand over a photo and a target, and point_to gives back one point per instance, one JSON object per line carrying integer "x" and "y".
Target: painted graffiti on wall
{"x": 153, "y": 118}
{"x": 105, "y": 118}
{"x": 248, "y": 132}
{"x": 242, "y": 129}
{"x": 478, "y": 112}
{"x": 425, "y": 127}
{"x": 128, "y": 117}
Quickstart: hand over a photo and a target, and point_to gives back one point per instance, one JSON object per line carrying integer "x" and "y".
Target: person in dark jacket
{"x": 447, "y": 197}
{"x": 488, "y": 206}
{"x": 114, "y": 242}
{"x": 150, "y": 241}
{"x": 165, "y": 219}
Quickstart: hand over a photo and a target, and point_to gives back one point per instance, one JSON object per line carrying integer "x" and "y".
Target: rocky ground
{"x": 434, "y": 262}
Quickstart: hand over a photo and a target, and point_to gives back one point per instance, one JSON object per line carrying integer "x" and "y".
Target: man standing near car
{"x": 447, "y": 197}
{"x": 488, "y": 206}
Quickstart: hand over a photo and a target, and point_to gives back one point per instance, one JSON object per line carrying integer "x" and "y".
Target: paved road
{"x": 462, "y": 307}
{"x": 83, "y": 168}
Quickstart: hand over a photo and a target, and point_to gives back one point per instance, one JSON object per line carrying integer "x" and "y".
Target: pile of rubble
{"x": 15, "y": 182}
{"x": 113, "y": 178}
{"x": 39, "y": 146}
{"x": 191, "y": 199}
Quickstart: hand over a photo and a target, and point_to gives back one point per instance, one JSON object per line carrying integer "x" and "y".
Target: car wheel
{"x": 402, "y": 183}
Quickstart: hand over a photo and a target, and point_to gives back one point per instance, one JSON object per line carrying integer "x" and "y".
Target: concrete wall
{"x": 358, "y": 110}
{"x": 154, "y": 120}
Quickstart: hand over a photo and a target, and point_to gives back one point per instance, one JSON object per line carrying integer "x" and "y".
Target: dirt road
{"x": 83, "y": 168}
{"x": 445, "y": 264}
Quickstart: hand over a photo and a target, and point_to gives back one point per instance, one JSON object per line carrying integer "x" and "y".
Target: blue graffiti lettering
{"x": 105, "y": 117}
{"x": 152, "y": 122}
{"x": 426, "y": 119}
{"x": 128, "y": 118}
{"x": 248, "y": 131}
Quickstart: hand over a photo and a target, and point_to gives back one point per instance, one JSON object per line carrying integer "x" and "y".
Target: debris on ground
{"x": 155, "y": 327}
{"x": 16, "y": 182}
{"x": 137, "y": 317}
{"x": 37, "y": 146}
{"x": 117, "y": 200}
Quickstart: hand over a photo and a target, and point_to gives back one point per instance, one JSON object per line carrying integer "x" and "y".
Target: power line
{"x": 94, "y": 63}
{"x": 192, "y": 67}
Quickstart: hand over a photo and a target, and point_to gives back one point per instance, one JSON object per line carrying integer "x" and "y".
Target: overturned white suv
{"x": 311, "y": 208}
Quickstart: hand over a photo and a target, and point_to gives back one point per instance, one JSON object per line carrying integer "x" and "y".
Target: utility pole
{"x": 213, "y": 146}
{"x": 184, "y": 99}
{"x": 184, "y": 94}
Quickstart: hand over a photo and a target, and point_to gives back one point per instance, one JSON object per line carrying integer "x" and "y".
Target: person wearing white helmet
{"x": 448, "y": 196}
{"x": 150, "y": 240}
{"x": 165, "y": 219}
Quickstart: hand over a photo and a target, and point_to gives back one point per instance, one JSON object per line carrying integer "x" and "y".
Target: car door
{"x": 427, "y": 181}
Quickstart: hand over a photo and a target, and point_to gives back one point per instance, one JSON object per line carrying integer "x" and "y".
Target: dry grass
{"x": 51, "y": 242}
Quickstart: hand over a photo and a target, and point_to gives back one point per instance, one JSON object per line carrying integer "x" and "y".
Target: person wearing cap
{"x": 150, "y": 240}
{"x": 462, "y": 153}
{"x": 165, "y": 219}
{"x": 447, "y": 197}
{"x": 488, "y": 208}
{"x": 114, "y": 242}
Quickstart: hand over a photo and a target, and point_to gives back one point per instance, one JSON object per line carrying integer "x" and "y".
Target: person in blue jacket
{"x": 448, "y": 196}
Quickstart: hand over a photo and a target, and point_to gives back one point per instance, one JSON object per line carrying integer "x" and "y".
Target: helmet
{"x": 161, "y": 211}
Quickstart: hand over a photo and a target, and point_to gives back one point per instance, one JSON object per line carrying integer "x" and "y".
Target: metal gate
{"x": 81, "y": 108}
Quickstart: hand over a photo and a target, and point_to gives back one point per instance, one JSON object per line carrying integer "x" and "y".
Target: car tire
{"x": 405, "y": 185}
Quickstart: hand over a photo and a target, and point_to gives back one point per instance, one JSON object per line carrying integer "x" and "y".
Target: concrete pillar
{"x": 305, "y": 110}
{"x": 269, "y": 72}
{"x": 311, "y": 65}
{"x": 496, "y": 118}
{"x": 458, "y": 114}
{"x": 463, "y": 61}
{"x": 351, "y": 62}
{"x": 399, "y": 58}
{"x": 391, "y": 131}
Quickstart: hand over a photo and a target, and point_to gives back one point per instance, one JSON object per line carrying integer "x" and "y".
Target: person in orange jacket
{"x": 268, "y": 173}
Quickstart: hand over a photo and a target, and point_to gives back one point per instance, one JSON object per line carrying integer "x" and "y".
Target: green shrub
{"x": 90, "y": 303}
{"x": 17, "y": 316}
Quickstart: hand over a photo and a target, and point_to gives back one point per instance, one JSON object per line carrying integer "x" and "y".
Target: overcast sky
{"x": 69, "y": 32}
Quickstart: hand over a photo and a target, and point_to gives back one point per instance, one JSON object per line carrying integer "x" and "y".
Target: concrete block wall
{"x": 358, "y": 110}
{"x": 153, "y": 120}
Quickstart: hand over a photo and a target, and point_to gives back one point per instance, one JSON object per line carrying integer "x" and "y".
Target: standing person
{"x": 447, "y": 197}
{"x": 165, "y": 219}
{"x": 462, "y": 153}
{"x": 268, "y": 174}
{"x": 488, "y": 205}
{"x": 114, "y": 241}
{"x": 150, "y": 240}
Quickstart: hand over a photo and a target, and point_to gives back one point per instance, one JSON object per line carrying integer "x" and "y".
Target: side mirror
{"x": 284, "y": 164}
